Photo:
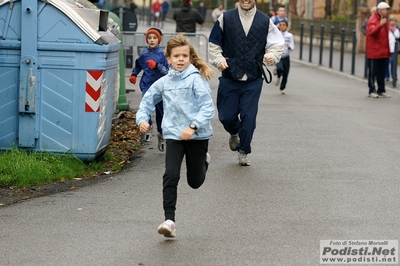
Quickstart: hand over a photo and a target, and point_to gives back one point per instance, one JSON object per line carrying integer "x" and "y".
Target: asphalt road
{"x": 324, "y": 166}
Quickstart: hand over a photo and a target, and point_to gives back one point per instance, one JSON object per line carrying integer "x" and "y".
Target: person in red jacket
{"x": 155, "y": 10}
{"x": 378, "y": 50}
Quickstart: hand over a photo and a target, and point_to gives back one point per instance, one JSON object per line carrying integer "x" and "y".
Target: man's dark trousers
{"x": 376, "y": 70}
{"x": 237, "y": 104}
{"x": 282, "y": 70}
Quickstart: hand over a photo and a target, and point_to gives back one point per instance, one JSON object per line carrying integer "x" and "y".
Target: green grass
{"x": 21, "y": 168}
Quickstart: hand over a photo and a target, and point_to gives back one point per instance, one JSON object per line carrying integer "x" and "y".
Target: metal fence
{"x": 348, "y": 25}
{"x": 322, "y": 37}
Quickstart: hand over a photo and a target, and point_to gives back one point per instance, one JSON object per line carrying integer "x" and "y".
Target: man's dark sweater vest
{"x": 243, "y": 52}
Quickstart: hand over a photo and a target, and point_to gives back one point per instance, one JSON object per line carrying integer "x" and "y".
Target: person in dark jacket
{"x": 187, "y": 17}
{"x": 165, "y": 8}
{"x": 133, "y": 7}
{"x": 364, "y": 25}
{"x": 202, "y": 10}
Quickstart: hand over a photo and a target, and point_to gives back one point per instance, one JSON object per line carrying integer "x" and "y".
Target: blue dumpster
{"x": 58, "y": 73}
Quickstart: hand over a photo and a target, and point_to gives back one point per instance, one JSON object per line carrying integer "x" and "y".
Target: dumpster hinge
{"x": 27, "y": 102}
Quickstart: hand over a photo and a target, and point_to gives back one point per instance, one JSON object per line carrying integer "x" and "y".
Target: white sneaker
{"x": 277, "y": 81}
{"x": 167, "y": 228}
{"x": 208, "y": 158}
{"x": 243, "y": 159}
{"x": 282, "y": 91}
{"x": 373, "y": 95}
{"x": 384, "y": 95}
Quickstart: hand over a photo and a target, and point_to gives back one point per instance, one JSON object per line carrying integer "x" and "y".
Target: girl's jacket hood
{"x": 184, "y": 74}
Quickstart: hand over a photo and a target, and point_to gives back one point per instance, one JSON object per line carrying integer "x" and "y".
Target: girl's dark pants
{"x": 389, "y": 66}
{"x": 376, "y": 70}
{"x": 159, "y": 114}
{"x": 282, "y": 70}
{"x": 196, "y": 165}
{"x": 237, "y": 103}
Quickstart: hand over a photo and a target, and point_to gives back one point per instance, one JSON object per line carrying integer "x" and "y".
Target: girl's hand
{"x": 144, "y": 127}
{"x": 187, "y": 133}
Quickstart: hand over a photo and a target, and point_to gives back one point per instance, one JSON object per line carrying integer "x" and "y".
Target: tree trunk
{"x": 391, "y": 2}
{"x": 293, "y": 8}
{"x": 355, "y": 9}
{"x": 328, "y": 9}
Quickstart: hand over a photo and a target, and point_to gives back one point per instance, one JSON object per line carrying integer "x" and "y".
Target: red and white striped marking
{"x": 93, "y": 90}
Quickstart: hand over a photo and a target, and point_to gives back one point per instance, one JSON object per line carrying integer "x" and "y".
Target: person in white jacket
{"x": 394, "y": 35}
{"x": 241, "y": 39}
{"x": 217, "y": 12}
{"x": 283, "y": 67}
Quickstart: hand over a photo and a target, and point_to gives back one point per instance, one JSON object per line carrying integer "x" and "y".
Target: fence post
{"x": 331, "y": 46}
{"x": 301, "y": 40}
{"x": 353, "y": 53}
{"x": 321, "y": 47}
{"x": 342, "y": 49}
{"x": 311, "y": 39}
{"x": 150, "y": 15}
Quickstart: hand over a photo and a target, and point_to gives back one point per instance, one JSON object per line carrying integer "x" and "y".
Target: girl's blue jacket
{"x": 187, "y": 99}
{"x": 150, "y": 75}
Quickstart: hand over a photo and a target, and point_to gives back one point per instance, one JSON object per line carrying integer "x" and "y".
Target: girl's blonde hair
{"x": 180, "y": 40}
{"x": 392, "y": 18}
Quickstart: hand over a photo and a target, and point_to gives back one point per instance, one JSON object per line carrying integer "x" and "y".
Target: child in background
{"x": 203, "y": 12}
{"x": 394, "y": 35}
{"x": 188, "y": 111}
{"x": 280, "y": 15}
{"x": 164, "y": 8}
{"x": 283, "y": 67}
{"x": 154, "y": 65}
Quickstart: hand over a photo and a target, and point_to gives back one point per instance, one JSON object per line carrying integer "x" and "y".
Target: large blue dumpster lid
{"x": 88, "y": 19}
